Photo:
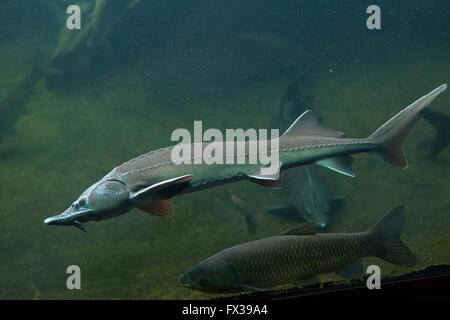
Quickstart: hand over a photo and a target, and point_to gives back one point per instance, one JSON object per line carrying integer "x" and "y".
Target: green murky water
{"x": 82, "y": 123}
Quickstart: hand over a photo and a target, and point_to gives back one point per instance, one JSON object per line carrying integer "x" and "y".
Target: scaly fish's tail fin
{"x": 388, "y": 229}
{"x": 391, "y": 134}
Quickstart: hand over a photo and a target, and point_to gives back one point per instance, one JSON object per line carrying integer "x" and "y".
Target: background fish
{"x": 308, "y": 195}
{"x": 246, "y": 211}
{"x": 441, "y": 123}
{"x": 12, "y": 106}
{"x": 300, "y": 253}
{"x": 309, "y": 198}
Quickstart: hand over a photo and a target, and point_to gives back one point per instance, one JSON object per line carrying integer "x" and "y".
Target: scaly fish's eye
{"x": 202, "y": 281}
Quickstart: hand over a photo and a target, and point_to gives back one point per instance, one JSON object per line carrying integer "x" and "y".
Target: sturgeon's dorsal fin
{"x": 303, "y": 229}
{"x": 160, "y": 186}
{"x": 308, "y": 125}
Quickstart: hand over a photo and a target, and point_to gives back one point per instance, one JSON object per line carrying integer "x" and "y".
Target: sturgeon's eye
{"x": 82, "y": 202}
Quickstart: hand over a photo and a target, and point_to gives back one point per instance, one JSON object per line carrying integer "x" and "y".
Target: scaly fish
{"x": 297, "y": 254}
{"x": 150, "y": 181}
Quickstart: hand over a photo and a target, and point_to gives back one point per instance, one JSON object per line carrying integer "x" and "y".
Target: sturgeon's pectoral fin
{"x": 303, "y": 229}
{"x": 308, "y": 125}
{"x": 160, "y": 186}
{"x": 271, "y": 181}
{"x": 341, "y": 164}
{"x": 353, "y": 270}
{"x": 162, "y": 208}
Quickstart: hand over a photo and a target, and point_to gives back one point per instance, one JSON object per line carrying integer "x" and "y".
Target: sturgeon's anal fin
{"x": 342, "y": 164}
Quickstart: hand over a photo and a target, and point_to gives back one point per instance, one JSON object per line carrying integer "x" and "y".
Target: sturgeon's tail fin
{"x": 388, "y": 229}
{"x": 391, "y": 134}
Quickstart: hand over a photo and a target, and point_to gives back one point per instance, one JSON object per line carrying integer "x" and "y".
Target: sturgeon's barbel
{"x": 150, "y": 180}
{"x": 297, "y": 254}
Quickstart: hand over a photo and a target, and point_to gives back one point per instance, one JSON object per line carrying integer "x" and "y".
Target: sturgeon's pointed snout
{"x": 50, "y": 221}
{"x": 71, "y": 217}
{"x": 65, "y": 219}
{"x": 61, "y": 219}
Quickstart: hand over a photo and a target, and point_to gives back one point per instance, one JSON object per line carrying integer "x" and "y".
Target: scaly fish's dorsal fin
{"x": 303, "y": 229}
{"x": 308, "y": 125}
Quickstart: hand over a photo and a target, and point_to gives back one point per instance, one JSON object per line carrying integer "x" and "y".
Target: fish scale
{"x": 282, "y": 259}
{"x": 300, "y": 253}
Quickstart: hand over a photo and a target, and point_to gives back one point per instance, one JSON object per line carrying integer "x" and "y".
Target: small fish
{"x": 243, "y": 207}
{"x": 13, "y": 104}
{"x": 299, "y": 253}
{"x": 308, "y": 196}
{"x": 149, "y": 181}
{"x": 441, "y": 123}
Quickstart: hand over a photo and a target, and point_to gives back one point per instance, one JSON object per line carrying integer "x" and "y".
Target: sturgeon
{"x": 149, "y": 181}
